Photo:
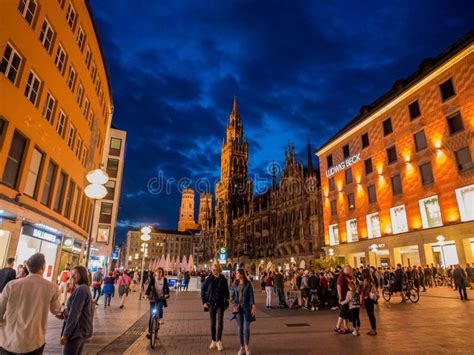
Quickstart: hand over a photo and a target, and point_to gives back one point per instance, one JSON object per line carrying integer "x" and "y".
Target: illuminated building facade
{"x": 55, "y": 111}
{"x": 398, "y": 180}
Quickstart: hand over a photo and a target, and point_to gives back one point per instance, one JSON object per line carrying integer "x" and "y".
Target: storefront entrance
{"x": 357, "y": 259}
{"x": 407, "y": 256}
{"x": 4, "y": 241}
{"x": 33, "y": 240}
{"x": 445, "y": 255}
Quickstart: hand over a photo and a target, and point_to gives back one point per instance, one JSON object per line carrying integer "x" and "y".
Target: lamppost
{"x": 441, "y": 243}
{"x": 95, "y": 191}
{"x": 145, "y": 237}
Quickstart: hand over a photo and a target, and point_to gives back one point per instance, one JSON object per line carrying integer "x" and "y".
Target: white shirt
{"x": 24, "y": 306}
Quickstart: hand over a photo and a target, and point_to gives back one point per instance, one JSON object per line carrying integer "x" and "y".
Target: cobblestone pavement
{"x": 439, "y": 323}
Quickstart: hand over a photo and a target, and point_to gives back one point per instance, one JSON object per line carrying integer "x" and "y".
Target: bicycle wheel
{"x": 413, "y": 295}
{"x": 155, "y": 326}
{"x": 387, "y": 295}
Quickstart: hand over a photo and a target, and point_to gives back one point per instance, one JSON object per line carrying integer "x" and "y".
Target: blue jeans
{"x": 97, "y": 290}
{"x": 243, "y": 329}
{"x": 74, "y": 346}
{"x": 107, "y": 299}
{"x": 158, "y": 306}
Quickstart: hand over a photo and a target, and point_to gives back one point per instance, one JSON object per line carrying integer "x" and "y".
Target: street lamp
{"x": 441, "y": 243}
{"x": 145, "y": 237}
{"x": 95, "y": 191}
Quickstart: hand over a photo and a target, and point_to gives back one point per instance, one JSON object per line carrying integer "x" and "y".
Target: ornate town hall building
{"x": 282, "y": 226}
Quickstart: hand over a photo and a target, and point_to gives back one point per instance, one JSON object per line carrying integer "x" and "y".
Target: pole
{"x": 89, "y": 237}
{"x": 141, "y": 278}
{"x": 442, "y": 253}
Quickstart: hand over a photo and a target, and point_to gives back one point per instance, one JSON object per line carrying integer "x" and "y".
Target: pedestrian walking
{"x": 269, "y": 289}
{"x": 7, "y": 274}
{"x": 78, "y": 314}
{"x": 460, "y": 280}
{"x": 244, "y": 309}
{"x": 64, "y": 283}
{"x": 123, "y": 283}
{"x": 97, "y": 281}
{"x": 108, "y": 291}
{"x": 158, "y": 293}
{"x": 215, "y": 300}
{"x": 342, "y": 286}
{"x": 24, "y": 306}
{"x": 369, "y": 296}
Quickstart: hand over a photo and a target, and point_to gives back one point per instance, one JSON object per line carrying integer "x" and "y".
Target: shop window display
{"x": 352, "y": 234}
{"x": 333, "y": 234}
{"x": 430, "y": 212}
{"x": 373, "y": 226}
{"x": 465, "y": 198}
{"x": 399, "y": 219}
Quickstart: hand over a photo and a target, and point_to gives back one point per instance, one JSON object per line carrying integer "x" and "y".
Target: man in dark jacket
{"x": 279, "y": 284}
{"x": 459, "y": 277}
{"x": 215, "y": 299}
{"x": 401, "y": 278}
{"x": 7, "y": 274}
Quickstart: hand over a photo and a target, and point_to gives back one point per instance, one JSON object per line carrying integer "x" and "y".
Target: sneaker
{"x": 333, "y": 308}
{"x": 241, "y": 351}
{"x": 148, "y": 335}
{"x": 372, "y": 332}
{"x": 354, "y": 333}
{"x": 213, "y": 345}
{"x": 247, "y": 350}
{"x": 121, "y": 306}
{"x": 161, "y": 321}
{"x": 220, "y": 347}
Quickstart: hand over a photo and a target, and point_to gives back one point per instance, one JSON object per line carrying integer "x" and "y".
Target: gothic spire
{"x": 235, "y": 111}
{"x": 310, "y": 160}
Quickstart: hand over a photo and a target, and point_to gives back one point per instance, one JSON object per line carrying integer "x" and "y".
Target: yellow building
{"x": 55, "y": 110}
{"x": 398, "y": 180}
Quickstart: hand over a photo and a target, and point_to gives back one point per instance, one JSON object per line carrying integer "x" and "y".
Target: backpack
{"x": 374, "y": 294}
{"x": 64, "y": 276}
{"x": 355, "y": 301}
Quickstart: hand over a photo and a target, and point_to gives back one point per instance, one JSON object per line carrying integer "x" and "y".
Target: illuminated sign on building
{"x": 40, "y": 234}
{"x": 343, "y": 165}
{"x": 222, "y": 256}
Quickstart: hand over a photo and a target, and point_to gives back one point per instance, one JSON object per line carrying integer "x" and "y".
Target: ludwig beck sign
{"x": 343, "y": 165}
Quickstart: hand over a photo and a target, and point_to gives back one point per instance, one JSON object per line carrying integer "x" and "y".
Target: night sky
{"x": 300, "y": 70}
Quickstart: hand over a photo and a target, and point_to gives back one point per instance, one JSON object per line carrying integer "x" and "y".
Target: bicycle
{"x": 408, "y": 290}
{"x": 155, "y": 327}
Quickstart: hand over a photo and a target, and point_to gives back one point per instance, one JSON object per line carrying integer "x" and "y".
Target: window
{"x": 33, "y": 173}
{"x": 60, "y": 60}
{"x": 351, "y": 201}
{"x": 48, "y": 108}
{"x": 333, "y": 234}
{"x": 352, "y": 233}
{"x": 103, "y": 234}
{"x": 387, "y": 127}
{"x": 71, "y": 16}
{"x": 105, "y": 212}
{"x": 32, "y": 88}
{"x": 110, "y": 186}
{"x": 368, "y": 166}
{"x": 3, "y": 129}
{"x": 365, "y": 140}
{"x": 84, "y": 156}
{"x": 112, "y": 167}
{"x": 332, "y": 186}
{"x": 430, "y": 212}
{"x": 78, "y": 146}
{"x": 371, "y": 192}
{"x": 392, "y": 155}
{"x": 61, "y": 124}
{"x": 465, "y": 198}
{"x": 46, "y": 36}
{"x": 58, "y": 203}
{"x": 333, "y": 208}
{"x": 71, "y": 80}
{"x": 14, "y": 161}
{"x": 69, "y": 197}
{"x": 447, "y": 90}
{"x": 420, "y": 141}
{"x": 93, "y": 71}
{"x": 71, "y": 136}
{"x": 463, "y": 159}
{"x": 373, "y": 225}
{"x": 10, "y": 63}
{"x": 80, "y": 38}
{"x": 79, "y": 94}
{"x": 455, "y": 123}
{"x": 426, "y": 173}
{"x": 414, "y": 110}
{"x": 348, "y": 175}
{"x": 87, "y": 56}
{"x": 49, "y": 183}
{"x": 85, "y": 110}
{"x": 97, "y": 86}
{"x": 27, "y": 9}
{"x": 396, "y": 185}
{"x": 329, "y": 161}
{"x": 90, "y": 121}
{"x": 115, "y": 146}
{"x": 399, "y": 219}
{"x": 346, "y": 151}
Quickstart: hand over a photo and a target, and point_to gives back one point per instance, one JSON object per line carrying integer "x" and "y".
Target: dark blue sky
{"x": 299, "y": 69}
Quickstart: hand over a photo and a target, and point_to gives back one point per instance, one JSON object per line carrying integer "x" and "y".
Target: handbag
{"x": 235, "y": 308}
